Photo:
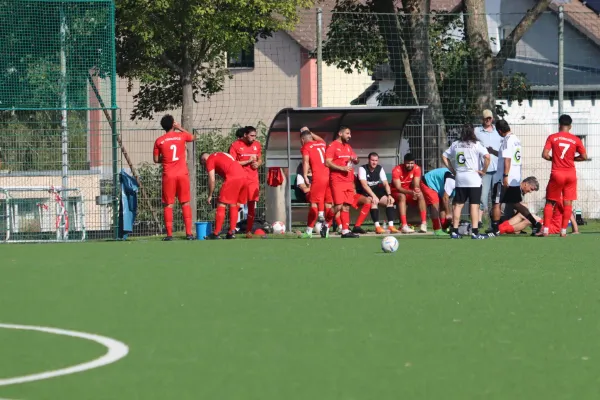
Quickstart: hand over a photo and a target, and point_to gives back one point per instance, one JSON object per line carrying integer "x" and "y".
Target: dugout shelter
{"x": 374, "y": 129}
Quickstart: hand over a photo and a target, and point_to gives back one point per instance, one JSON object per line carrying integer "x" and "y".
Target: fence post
{"x": 561, "y": 58}
{"x": 319, "y": 57}
{"x": 114, "y": 132}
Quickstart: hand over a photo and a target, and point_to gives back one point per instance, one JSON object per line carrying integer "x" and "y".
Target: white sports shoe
{"x": 423, "y": 228}
{"x": 406, "y": 229}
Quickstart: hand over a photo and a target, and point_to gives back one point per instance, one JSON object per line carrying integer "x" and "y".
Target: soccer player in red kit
{"x": 406, "y": 189}
{"x": 248, "y": 152}
{"x": 339, "y": 158}
{"x": 563, "y": 177}
{"x": 233, "y": 193}
{"x": 313, "y": 158}
{"x": 169, "y": 150}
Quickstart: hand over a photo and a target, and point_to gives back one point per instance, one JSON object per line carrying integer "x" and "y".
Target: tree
{"x": 177, "y": 48}
{"x": 483, "y": 64}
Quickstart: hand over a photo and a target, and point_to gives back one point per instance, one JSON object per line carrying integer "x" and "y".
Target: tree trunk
{"x": 481, "y": 65}
{"x": 391, "y": 31}
{"x": 424, "y": 77}
{"x": 187, "y": 118}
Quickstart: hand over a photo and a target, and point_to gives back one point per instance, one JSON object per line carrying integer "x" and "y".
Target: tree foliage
{"x": 176, "y": 49}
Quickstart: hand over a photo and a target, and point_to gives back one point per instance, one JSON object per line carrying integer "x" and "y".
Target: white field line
{"x": 116, "y": 351}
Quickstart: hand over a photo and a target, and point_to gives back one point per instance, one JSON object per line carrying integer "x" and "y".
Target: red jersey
{"x": 564, "y": 145}
{"x": 315, "y": 151}
{"x": 224, "y": 165}
{"x": 242, "y": 152}
{"x": 171, "y": 146}
{"x": 341, "y": 154}
{"x": 406, "y": 177}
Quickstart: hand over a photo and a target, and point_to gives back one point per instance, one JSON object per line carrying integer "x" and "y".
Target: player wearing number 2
{"x": 169, "y": 150}
{"x": 248, "y": 152}
{"x": 563, "y": 176}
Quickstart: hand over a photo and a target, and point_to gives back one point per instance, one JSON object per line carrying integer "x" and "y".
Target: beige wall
{"x": 340, "y": 88}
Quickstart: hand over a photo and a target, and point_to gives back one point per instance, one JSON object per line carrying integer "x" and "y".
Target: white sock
{"x": 563, "y": 231}
{"x": 377, "y": 224}
{"x": 344, "y": 231}
{"x": 309, "y": 230}
{"x": 391, "y": 223}
{"x": 321, "y": 214}
{"x": 546, "y": 230}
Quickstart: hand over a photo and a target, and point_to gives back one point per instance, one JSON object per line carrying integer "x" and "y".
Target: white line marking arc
{"x": 116, "y": 351}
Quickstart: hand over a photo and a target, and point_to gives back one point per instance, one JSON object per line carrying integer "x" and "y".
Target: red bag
{"x": 275, "y": 177}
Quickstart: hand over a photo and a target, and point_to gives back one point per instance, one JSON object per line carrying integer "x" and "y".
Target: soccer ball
{"x": 318, "y": 227}
{"x": 389, "y": 244}
{"x": 278, "y": 227}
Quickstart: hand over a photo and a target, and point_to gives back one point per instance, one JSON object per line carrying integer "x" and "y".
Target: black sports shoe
{"x": 189, "y": 237}
{"x": 230, "y": 236}
{"x": 167, "y": 238}
{"x": 537, "y": 228}
{"x": 358, "y": 229}
{"x": 213, "y": 236}
{"x": 350, "y": 235}
{"x": 324, "y": 231}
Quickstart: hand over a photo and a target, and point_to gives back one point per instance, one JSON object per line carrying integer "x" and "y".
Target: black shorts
{"x": 379, "y": 191}
{"x": 470, "y": 194}
{"x": 512, "y": 195}
{"x": 497, "y": 193}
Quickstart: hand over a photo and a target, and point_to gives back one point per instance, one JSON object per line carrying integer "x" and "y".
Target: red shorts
{"x": 343, "y": 192}
{"x": 175, "y": 186}
{"x": 253, "y": 191}
{"x": 319, "y": 190}
{"x": 431, "y": 196}
{"x": 234, "y": 191}
{"x": 562, "y": 186}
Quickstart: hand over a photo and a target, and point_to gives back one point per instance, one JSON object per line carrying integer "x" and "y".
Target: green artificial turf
{"x": 507, "y": 318}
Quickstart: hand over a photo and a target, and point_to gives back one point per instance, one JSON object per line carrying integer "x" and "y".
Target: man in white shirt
{"x": 508, "y": 189}
{"x": 491, "y": 140}
{"x": 467, "y": 155}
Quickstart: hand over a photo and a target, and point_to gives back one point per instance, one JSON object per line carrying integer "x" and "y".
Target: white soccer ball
{"x": 278, "y": 227}
{"x": 389, "y": 244}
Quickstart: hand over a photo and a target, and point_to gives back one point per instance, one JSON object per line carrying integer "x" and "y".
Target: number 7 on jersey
{"x": 565, "y": 148}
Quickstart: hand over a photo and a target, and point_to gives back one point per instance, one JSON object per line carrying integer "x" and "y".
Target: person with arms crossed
{"x": 170, "y": 151}
{"x": 491, "y": 140}
{"x": 233, "y": 192}
{"x": 373, "y": 183}
{"x": 508, "y": 188}
{"x": 437, "y": 187}
{"x": 406, "y": 181}
{"x": 248, "y": 152}
{"x": 563, "y": 176}
{"x": 313, "y": 158}
{"x": 339, "y": 158}
{"x": 467, "y": 155}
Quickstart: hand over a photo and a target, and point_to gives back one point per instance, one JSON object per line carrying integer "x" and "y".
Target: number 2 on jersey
{"x": 174, "y": 148}
{"x": 566, "y": 147}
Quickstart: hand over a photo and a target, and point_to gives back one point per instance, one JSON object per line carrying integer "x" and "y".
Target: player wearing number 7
{"x": 169, "y": 150}
{"x": 563, "y": 176}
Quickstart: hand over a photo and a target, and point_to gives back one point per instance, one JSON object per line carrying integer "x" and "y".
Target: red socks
{"x": 506, "y": 228}
{"x": 423, "y": 217}
{"x": 568, "y": 211}
{"x": 548, "y": 209}
{"x": 169, "y": 220}
{"x": 338, "y": 219}
{"x": 251, "y": 211}
{"x": 446, "y": 223}
{"x": 364, "y": 211}
{"x": 437, "y": 225}
{"x": 219, "y": 219}
{"x": 403, "y": 220}
{"x": 233, "y": 217}
{"x": 345, "y": 219}
{"x": 313, "y": 214}
{"x": 329, "y": 216}
{"x": 186, "y": 210}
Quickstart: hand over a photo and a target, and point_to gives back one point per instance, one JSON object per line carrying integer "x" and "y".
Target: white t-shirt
{"x": 511, "y": 148}
{"x": 466, "y": 157}
{"x": 362, "y": 175}
{"x": 449, "y": 186}
{"x": 300, "y": 180}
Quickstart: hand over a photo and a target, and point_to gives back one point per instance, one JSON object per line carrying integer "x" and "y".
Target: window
{"x": 241, "y": 59}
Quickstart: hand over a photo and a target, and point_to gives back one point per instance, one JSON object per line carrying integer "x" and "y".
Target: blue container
{"x": 203, "y": 229}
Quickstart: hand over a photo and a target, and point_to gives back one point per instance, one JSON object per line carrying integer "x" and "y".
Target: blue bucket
{"x": 203, "y": 229}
